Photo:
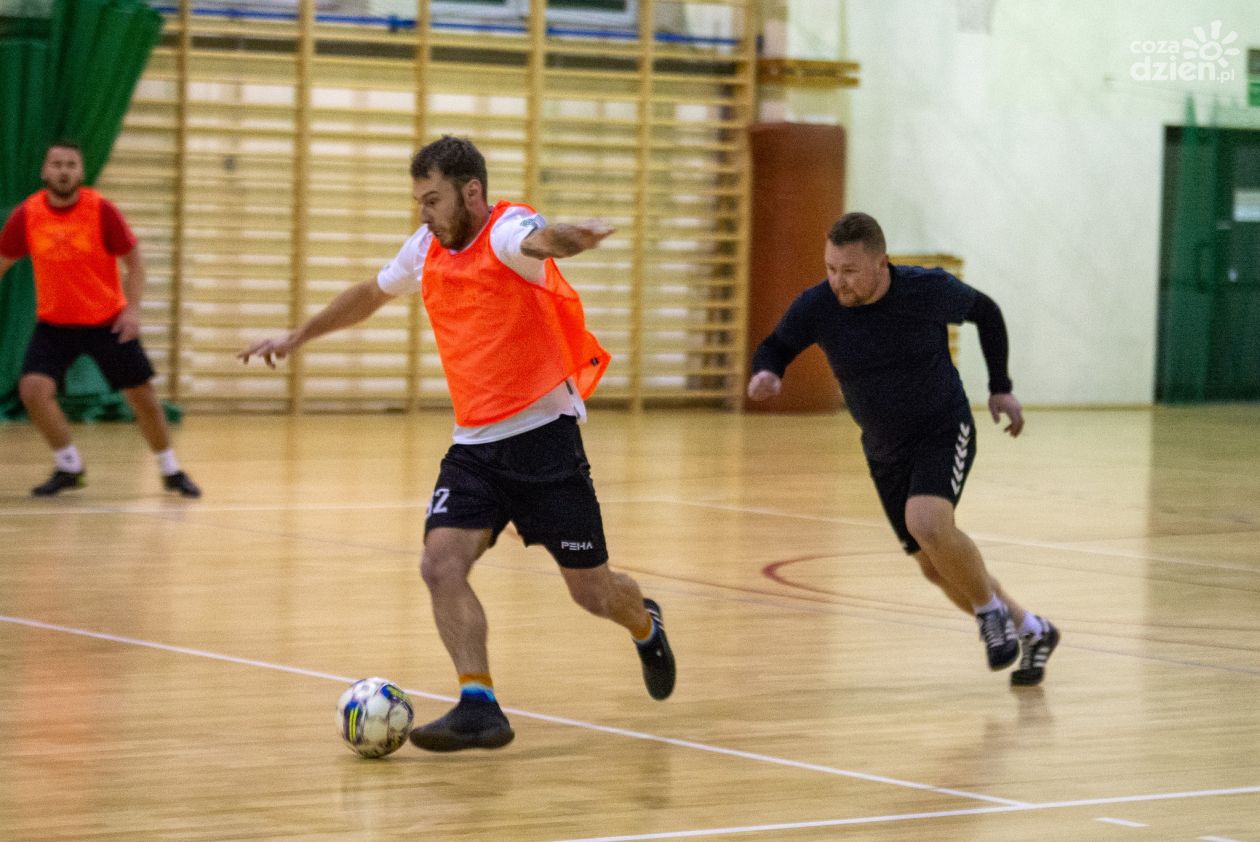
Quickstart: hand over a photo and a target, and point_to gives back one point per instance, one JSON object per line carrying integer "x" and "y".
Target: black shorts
{"x": 539, "y": 480}
{"x": 936, "y": 465}
{"x": 53, "y": 348}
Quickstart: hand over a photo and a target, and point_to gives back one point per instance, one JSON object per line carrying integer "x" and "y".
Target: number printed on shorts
{"x": 437, "y": 505}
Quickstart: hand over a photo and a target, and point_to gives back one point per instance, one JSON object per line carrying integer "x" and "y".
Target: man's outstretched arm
{"x": 565, "y": 240}
{"x": 349, "y": 308}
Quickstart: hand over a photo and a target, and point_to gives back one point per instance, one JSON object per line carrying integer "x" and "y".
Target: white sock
{"x": 992, "y": 605}
{"x": 167, "y": 463}
{"x": 1032, "y": 626}
{"x": 68, "y": 459}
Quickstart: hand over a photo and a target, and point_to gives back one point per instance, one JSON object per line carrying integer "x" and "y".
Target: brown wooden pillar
{"x": 797, "y": 193}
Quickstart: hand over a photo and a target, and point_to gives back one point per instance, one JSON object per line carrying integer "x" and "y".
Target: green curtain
{"x": 1187, "y": 303}
{"x": 67, "y": 70}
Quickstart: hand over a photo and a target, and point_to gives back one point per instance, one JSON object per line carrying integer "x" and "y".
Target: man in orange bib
{"x": 75, "y": 238}
{"x": 519, "y": 362}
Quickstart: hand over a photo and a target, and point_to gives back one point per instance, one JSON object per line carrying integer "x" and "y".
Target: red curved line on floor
{"x": 771, "y": 572}
{"x": 709, "y": 583}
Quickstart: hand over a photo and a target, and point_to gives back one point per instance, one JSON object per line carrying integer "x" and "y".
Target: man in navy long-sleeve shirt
{"x": 884, "y": 331}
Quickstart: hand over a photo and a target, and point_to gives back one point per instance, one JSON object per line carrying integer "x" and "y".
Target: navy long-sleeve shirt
{"x": 892, "y": 357}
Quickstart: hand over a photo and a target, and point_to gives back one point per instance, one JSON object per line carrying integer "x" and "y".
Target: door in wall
{"x": 1209, "y": 340}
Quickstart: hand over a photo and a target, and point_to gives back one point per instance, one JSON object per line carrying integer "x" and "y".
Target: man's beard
{"x": 61, "y": 193}
{"x": 462, "y": 230}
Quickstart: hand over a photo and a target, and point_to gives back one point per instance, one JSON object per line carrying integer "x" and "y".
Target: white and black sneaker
{"x": 659, "y": 670}
{"x": 997, "y": 630}
{"x": 1032, "y": 667}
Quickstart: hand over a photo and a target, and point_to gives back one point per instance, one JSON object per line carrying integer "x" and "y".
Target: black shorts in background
{"x": 935, "y": 465}
{"x": 539, "y": 480}
{"x": 53, "y": 348}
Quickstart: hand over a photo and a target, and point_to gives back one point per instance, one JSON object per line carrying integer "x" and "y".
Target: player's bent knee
{"x": 438, "y": 569}
{"x": 925, "y": 530}
{"x": 429, "y": 570}
{"x": 929, "y": 524}
{"x": 36, "y": 387}
{"x": 142, "y": 394}
{"x": 449, "y": 555}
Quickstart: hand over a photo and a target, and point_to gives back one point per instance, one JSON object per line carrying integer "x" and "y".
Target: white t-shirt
{"x": 402, "y": 276}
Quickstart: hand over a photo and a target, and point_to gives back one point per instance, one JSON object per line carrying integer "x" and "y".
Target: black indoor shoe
{"x": 659, "y": 670}
{"x": 58, "y": 482}
{"x": 1001, "y": 644}
{"x": 1032, "y": 667}
{"x": 473, "y": 723}
{"x": 180, "y": 482}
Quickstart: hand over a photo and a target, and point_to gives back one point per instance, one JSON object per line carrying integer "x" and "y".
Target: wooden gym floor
{"x": 169, "y": 669}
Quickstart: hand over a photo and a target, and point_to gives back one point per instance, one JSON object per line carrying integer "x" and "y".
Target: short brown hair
{"x": 64, "y": 143}
{"x": 454, "y": 158}
{"x": 858, "y": 227}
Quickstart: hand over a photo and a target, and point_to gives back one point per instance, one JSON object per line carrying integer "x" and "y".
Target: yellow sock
{"x": 476, "y": 684}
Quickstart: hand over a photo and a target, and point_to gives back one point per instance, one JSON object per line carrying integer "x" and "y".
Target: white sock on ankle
{"x": 167, "y": 463}
{"x": 1032, "y": 626}
{"x": 68, "y": 459}
{"x": 992, "y": 605}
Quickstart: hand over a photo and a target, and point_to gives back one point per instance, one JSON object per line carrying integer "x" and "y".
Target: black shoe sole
{"x": 444, "y": 741}
{"x": 1033, "y": 676}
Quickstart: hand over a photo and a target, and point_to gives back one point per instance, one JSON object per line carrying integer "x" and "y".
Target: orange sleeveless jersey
{"x": 504, "y": 341}
{"x": 76, "y": 279}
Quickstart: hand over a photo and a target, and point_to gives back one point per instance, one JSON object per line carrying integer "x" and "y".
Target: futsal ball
{"x": 374, "y": 717}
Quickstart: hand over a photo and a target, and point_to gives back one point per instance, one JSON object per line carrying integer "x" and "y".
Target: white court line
{"x": 901, "y": 817}
{"x": 1216, "y": 839}
{"x": 182, "y": 650}
{"x": 1121, "y": 822}
{"x": 557, "y": 720}
{"x": 765, "y": 758}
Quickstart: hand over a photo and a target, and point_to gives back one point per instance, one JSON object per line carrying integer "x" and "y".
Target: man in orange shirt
{"x": 75, "y": 237}
{"x": 519, "y": 363}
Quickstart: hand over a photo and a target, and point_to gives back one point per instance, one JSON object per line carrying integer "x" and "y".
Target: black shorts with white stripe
{"x": 935, "y": 465}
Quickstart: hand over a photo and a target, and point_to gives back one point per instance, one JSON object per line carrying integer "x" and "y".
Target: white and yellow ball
{"x": 374, "y": 717}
